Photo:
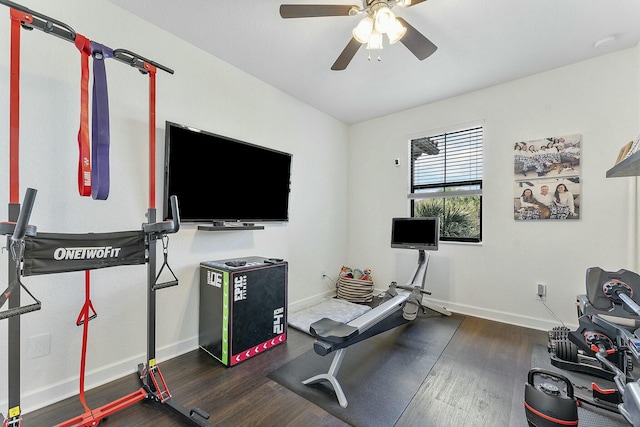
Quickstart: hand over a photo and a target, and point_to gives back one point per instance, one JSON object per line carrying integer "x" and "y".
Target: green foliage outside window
{"x": 459, "y": 216}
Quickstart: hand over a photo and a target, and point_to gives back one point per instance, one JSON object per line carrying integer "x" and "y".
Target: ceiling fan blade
{"x": 415, "y": 2}
{"x": 418, "y": 44}
{"x": 347, "y": 55}
{"x": 314, "y": 10}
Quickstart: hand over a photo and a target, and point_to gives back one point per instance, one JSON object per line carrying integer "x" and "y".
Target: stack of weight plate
{"x": 355, "y": 290}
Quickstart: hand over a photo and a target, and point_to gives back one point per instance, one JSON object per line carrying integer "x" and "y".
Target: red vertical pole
{"x": 152, "y": 134}
{"x": 14, "y": 110}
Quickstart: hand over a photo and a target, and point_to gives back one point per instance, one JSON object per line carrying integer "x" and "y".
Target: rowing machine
{"x": 398, "y": 308}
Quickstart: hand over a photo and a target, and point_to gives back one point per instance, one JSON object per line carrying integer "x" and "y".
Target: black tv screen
{"x": 221, "y": 179}
{"x": 415, "y": 233}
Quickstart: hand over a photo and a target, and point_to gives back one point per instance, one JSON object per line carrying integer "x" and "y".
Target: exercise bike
{"x": 606, "y": 345}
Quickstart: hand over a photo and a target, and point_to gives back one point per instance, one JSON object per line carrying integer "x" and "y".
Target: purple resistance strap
{"x": 100, "y": 124}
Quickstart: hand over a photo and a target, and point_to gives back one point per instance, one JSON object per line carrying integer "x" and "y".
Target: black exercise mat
{"x": 588, "y": 416}
{"x": 379, "y": 376}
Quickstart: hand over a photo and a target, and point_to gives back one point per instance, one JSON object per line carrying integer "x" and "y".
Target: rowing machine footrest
{"x": 333, "y": 331}
{"x": 411, "y": 307}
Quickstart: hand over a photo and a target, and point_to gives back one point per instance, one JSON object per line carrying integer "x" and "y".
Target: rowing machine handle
{"x": 25, "y": 213}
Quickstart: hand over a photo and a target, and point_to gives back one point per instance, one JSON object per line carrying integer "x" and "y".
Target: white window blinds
{"x": 447, "y": 165}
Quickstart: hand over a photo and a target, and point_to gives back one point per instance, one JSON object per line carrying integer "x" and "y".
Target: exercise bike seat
{"x": 598, "y": 281}
{"x": 332, "y": 331}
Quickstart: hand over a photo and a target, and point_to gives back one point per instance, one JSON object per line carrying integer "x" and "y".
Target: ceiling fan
{"x": 378, "y": 20}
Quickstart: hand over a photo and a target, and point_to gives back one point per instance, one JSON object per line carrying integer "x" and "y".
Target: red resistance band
{"x": 84, "y": 151}
{"x": 87, "y": 313}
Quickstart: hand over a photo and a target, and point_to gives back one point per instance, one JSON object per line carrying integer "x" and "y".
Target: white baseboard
{"x": 502, "y": 316}
{"x": 496, "y": 315}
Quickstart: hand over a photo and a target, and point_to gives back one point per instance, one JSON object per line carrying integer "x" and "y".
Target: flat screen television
{"x": 421, "y": 233}
{"x": 219, "y": 179}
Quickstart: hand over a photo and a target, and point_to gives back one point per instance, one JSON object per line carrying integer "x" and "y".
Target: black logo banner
{"x": 48, "y": 253}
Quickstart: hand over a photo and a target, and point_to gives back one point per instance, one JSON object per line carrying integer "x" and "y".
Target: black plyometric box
{"x": 243, "y": 309}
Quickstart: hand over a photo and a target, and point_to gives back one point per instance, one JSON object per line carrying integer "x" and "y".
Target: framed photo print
{"x": 547, "y": 178}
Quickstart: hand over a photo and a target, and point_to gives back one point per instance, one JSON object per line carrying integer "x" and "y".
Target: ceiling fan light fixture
{"x": 396, "y": 31}
{"x": 363, "y": 30}
{"x": 375, "y": 41}
{"x": 377, "y": 20}
{"x": 384, "y": 18}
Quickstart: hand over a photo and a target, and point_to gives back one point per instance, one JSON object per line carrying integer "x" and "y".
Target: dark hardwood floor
{"x": 477, "y": 381}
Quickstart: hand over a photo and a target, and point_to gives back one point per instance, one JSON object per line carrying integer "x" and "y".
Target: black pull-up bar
{"x": 136, "y": 60}
{"x": 60, "y": 29}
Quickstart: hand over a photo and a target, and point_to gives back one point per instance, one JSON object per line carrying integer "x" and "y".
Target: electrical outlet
{"x": 541, "y": 292}
{"x": 38, "y": 346}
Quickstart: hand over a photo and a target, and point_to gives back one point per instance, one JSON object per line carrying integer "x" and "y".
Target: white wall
{"x": 340, "y": 209}
{"x": 497, "y": 279}
{"x": 204, "y": 92}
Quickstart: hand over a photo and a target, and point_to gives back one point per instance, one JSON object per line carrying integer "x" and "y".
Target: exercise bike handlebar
{"x": 25, "y": 213}
{"x": 629, "y": 302}
{"x": 619, "y": 378}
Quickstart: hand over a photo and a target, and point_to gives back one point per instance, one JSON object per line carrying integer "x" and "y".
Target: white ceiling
{"x": 480, "y": 43}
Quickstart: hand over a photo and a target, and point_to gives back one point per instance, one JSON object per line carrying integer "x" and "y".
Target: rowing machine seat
{"x": 332, "y": 331}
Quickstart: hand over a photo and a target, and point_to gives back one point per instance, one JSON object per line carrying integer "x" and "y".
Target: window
{"x": 446, "y": 181}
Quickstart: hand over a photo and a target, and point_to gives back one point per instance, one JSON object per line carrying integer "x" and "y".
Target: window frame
{"x": 417, "y": 190}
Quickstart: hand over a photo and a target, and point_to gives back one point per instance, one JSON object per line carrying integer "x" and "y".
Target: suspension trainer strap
{"x": 84, "y": 149}
{"x": 83, "y": 320}
{"x": 14, "y": 111}
{"x": 100, "y": 124}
